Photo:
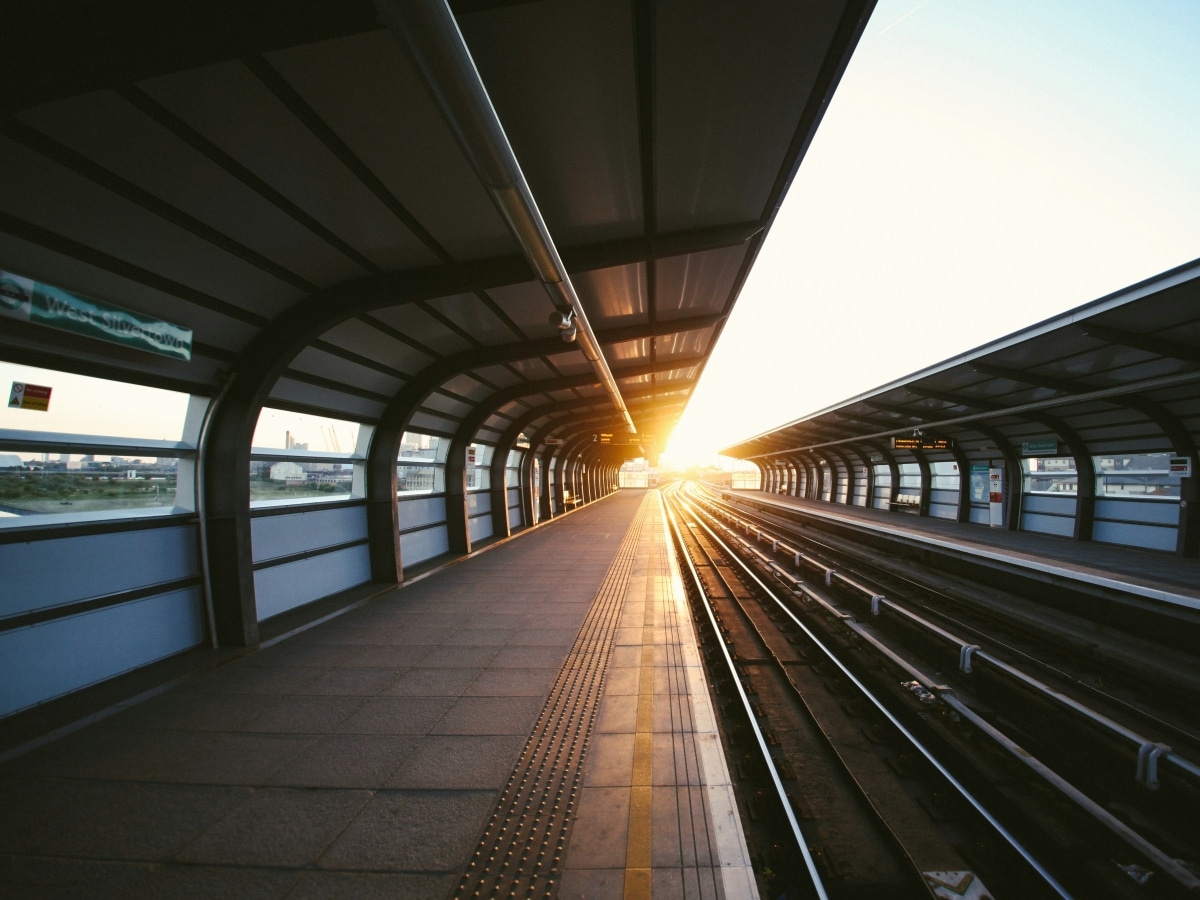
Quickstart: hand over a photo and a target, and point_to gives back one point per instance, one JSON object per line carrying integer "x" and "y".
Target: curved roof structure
{"x": 281, "y": 179}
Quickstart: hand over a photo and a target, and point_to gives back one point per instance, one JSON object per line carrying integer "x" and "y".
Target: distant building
{"x": 11, "y": 461}
{"x": 287, "y": 471}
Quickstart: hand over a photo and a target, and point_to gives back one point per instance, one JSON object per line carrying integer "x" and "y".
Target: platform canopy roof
{"x": 1118, "y": 375}
{"x": 278, "y": 177}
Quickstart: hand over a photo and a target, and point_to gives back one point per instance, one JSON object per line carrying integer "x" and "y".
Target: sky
{"x": 983, "y": 166}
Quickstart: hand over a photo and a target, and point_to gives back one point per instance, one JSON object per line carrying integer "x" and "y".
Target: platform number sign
{"x": 29, "y": 396}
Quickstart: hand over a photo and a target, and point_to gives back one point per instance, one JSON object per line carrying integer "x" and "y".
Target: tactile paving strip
{"x": 520, "y": 853}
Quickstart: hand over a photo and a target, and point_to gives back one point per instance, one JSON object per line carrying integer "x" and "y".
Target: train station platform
{"x": 533, "y": 717}
{"x": 1150, "y": 574}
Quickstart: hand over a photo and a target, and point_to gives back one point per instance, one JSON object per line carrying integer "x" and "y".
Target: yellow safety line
{"x": 637, "y": 847}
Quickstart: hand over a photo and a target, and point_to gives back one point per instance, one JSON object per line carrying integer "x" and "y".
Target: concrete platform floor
{"x": 363, "y": 756}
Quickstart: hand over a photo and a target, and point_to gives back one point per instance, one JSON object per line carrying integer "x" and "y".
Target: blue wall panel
{"x": 1043, "y": 503}
{"x": 280, "y": 588}
{"x": 52, "y": 572}
{"x": 481, "y": 527}
{"x": 1154, "y": 537}
{"x": 479, "y": 503}
{"x": 514, "y": 517}
{"x": 1047, "y": 524}
{"x": 312, "y": 529}
{"x": 1158, "y": 512}
{"x": 943, "y": 504}
{"x": 67, "y": 654}
{"x": 418, "y": 546}
{"x": 420, "y": 511}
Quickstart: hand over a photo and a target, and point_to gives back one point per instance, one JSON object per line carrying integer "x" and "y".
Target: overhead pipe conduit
{"x": 429, "y": 33}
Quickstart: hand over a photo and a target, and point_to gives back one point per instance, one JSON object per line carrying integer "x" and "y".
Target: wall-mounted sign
{"x": 1039, "y": 448}
{"x": 1181, "y": 466}
{"x": 471, "y": 455}
{"x": 43, "y": 304}
{"x": 921, "y": 443}
{"x": 29, "y": 396}
{"x": 553, "y": 442}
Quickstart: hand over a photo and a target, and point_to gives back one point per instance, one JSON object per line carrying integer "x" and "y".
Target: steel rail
{"x": 1150, "y": 752}
{"x": 797, "y": 833}
{"x": 962, "y": 790}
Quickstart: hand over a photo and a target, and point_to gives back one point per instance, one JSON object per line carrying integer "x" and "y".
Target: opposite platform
{"x": 379, "y": 752}
{"x": 1153, "y": 574}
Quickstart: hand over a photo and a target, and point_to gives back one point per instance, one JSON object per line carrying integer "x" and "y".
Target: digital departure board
{"x": 622, "y": 440}
{"x": 921, "y": 443}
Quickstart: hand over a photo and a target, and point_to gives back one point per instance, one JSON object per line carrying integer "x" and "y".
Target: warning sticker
{"x": 29, "y": 396}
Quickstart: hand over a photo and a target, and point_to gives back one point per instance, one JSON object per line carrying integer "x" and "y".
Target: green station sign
{"x": 1039, "y": 448}
{"x": 43, "y": 304}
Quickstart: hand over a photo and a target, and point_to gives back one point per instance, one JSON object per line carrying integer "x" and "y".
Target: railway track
{"x": 890, "y": 781}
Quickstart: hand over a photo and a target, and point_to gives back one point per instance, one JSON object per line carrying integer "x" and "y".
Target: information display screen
{"x": 922, "y": 443}
{"x": 622, "y": 440}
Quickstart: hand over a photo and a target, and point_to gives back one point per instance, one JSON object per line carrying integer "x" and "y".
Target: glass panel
{"x": 96, "y": 406}
{"x": 1050, "y": 475}
{"x": 297, "y": 480}
{"x": 424, "y": 447}
{"x": 278, "y": 429}
{"x": 634, "y": 474}
{"x": 910, "y": 478}
{"x": 745, "y": 476}
{"x": 944, "y": 475}
{"x": 513, "y": 477}
{"x": 479, "y": 460}
{"x": 415, "y": 479}
{"x": 1140, "y": 476}
{"x": 33, "y": 484}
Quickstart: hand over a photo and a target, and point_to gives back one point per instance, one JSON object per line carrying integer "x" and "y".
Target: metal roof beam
{"x": 1024, "y": 376}
{"x": 1150, "y": 343}
{"x": 430, "y": 34}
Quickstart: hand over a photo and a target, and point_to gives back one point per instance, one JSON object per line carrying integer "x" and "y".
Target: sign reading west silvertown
{"x": 44, "y": 304}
